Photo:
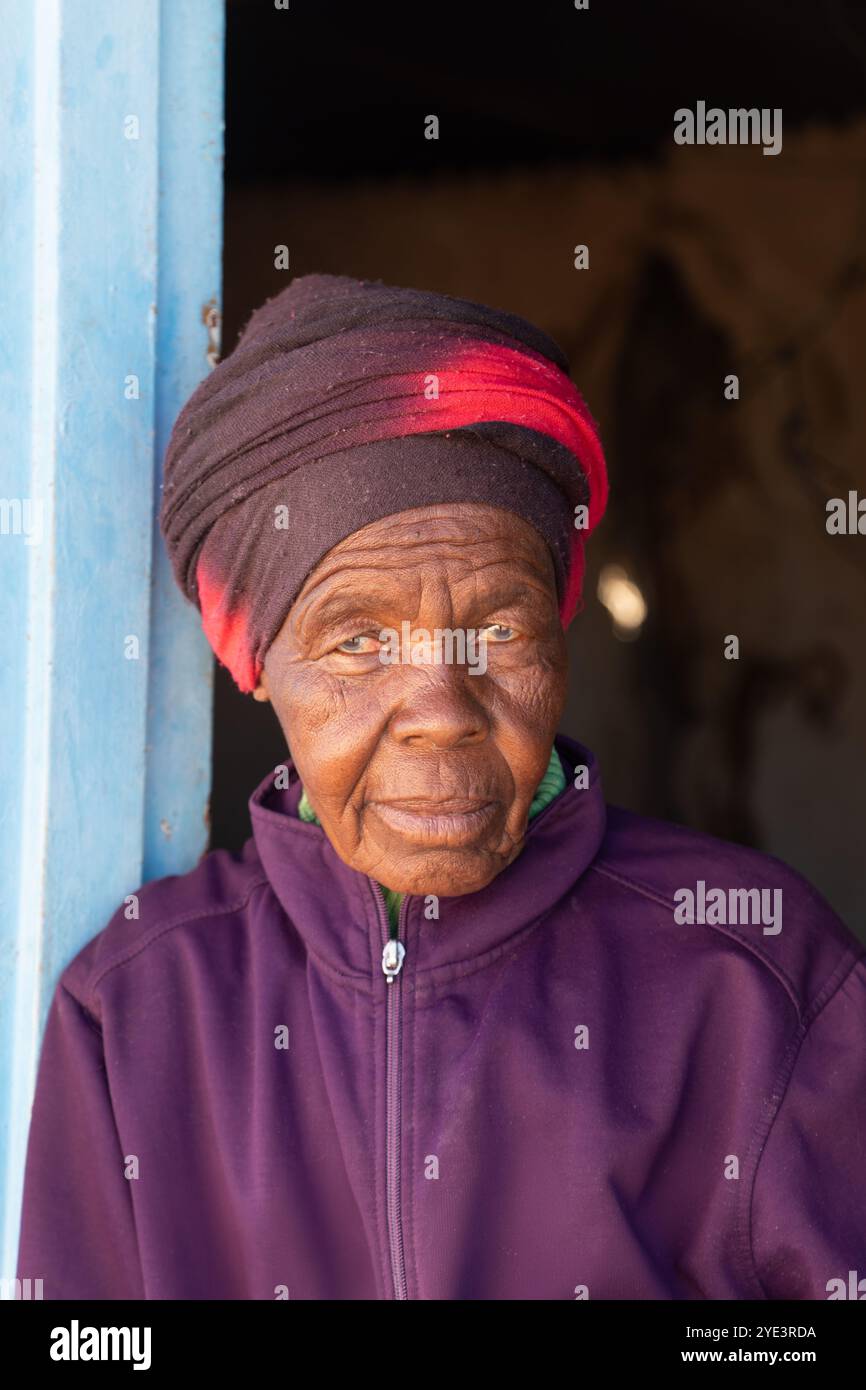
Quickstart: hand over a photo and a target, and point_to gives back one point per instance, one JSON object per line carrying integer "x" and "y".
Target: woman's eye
{"x": 353, "y": 646}
{"x": 499, "y": 632}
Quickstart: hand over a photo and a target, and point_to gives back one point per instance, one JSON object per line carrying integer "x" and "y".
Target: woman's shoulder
{"x": 181, "y": 912}
{"x": 735, "y": 897}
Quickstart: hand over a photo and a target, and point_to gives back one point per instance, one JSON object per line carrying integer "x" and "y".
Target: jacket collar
{"x": 340, "y": 913}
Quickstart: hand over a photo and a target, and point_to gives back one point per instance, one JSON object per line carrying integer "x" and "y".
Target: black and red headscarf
{"x": 346, "y": 401}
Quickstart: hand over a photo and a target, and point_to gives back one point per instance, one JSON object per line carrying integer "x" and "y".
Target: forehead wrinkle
{"x": 388, "y": 554}
{"x": 397, "y": 551}
{"x": 522, "y": 563}
{"x": 341, "y": 592}
{"x": 377, "y": 560}
{"x": 520, "y": 543}
{"x": 508, "y": 579}
{"x": 504, "y": 591}
{"x": 469, "y": 527}
{"x": 365, "y": 586}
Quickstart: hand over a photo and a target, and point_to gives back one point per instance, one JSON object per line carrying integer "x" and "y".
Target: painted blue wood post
{"x": 110, "y": 242}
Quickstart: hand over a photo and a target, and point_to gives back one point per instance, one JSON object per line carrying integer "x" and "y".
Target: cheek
{"x": 526, "y": 705}
{"x": 332, "y": 727}
{"x": 530, "y": 696}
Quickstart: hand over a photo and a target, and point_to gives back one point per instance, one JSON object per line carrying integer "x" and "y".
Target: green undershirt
{"x": 550, "y": 786}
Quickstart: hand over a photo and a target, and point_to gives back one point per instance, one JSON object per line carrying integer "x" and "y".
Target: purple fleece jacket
{"x": 565, "y": 1092}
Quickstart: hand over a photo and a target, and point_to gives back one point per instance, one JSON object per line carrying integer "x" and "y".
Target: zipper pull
{"x": 392, "y": 959}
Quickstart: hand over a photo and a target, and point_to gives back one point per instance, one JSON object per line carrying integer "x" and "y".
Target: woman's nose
{"x": 440, "y": 709}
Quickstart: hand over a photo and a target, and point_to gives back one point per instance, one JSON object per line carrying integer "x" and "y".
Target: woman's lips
{"x": 460, "y": 821}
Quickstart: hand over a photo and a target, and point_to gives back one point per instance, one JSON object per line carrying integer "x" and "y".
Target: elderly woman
{"x": 449, "y": 1027}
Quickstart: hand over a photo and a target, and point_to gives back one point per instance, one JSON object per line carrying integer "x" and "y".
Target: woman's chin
{"x": 447, "y": 873}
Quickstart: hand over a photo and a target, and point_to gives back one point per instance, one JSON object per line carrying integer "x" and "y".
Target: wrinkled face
{"x": 421, "y": 752}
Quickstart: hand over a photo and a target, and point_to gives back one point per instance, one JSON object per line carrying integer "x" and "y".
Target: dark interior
{"x": 324, "y": 105}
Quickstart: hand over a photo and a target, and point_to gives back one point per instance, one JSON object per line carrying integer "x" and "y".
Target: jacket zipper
{"x": 392, "y": 962}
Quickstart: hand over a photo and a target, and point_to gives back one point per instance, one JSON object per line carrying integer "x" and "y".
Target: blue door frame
{"x": 110, "y": 243}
